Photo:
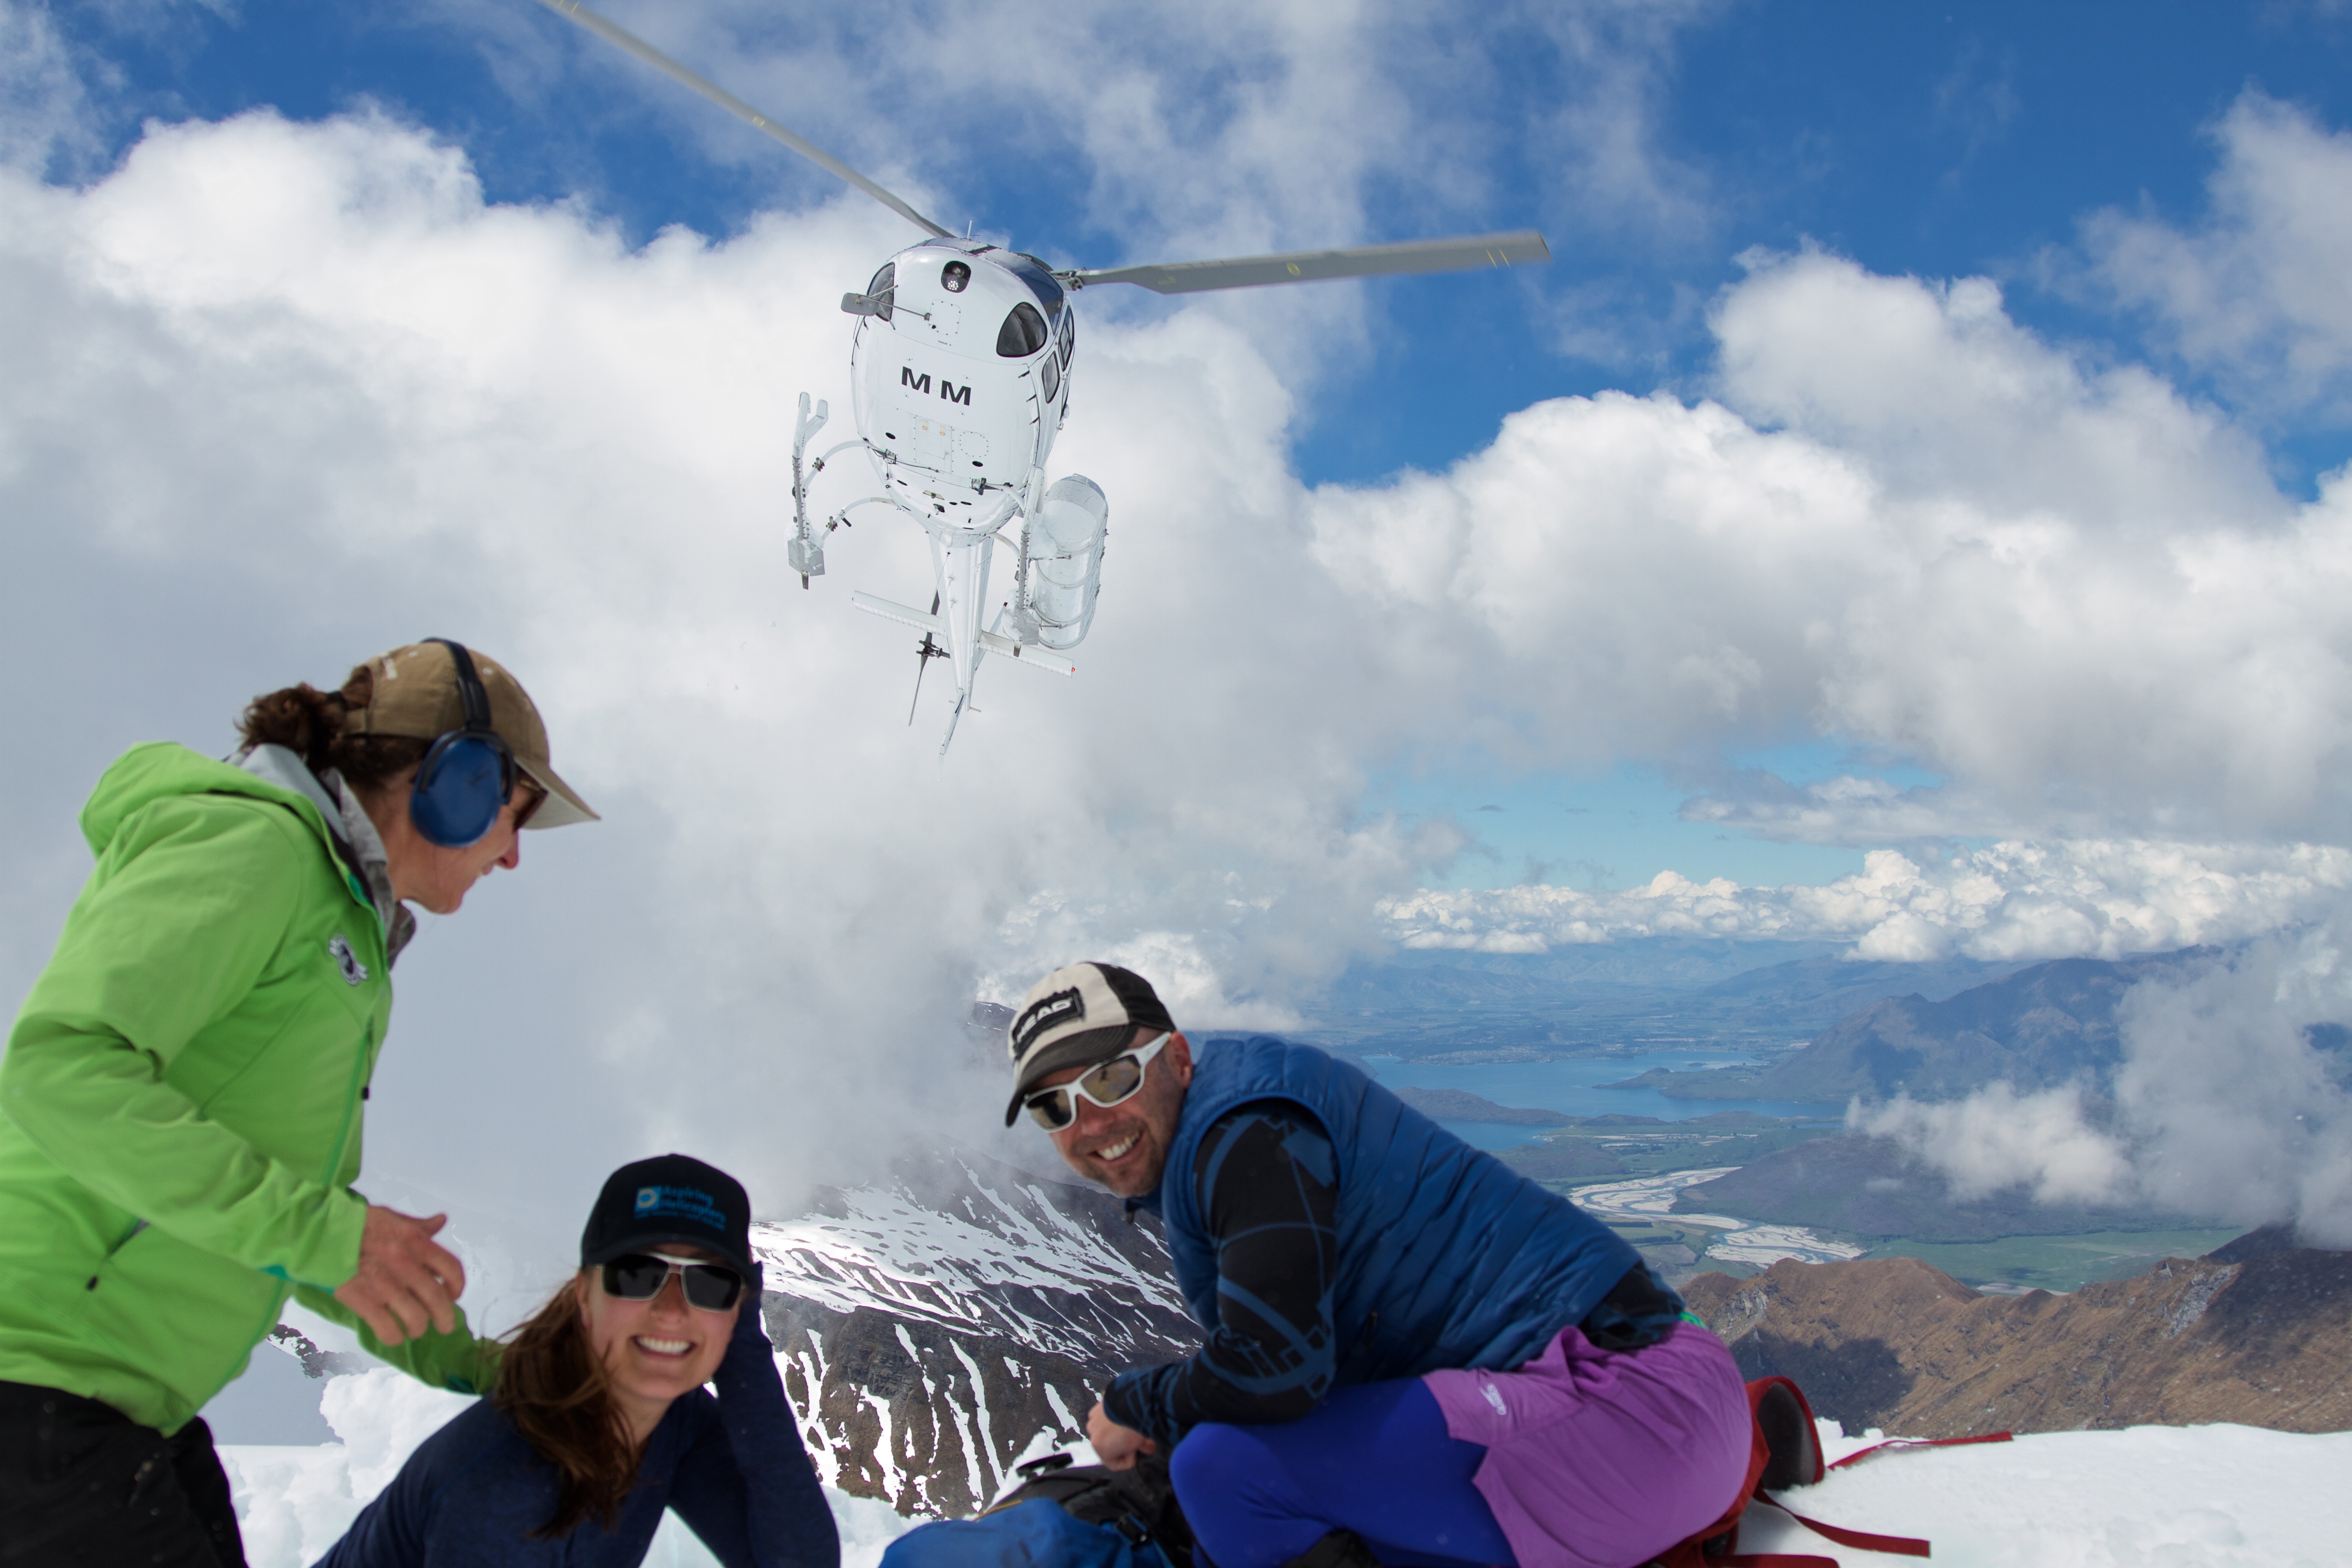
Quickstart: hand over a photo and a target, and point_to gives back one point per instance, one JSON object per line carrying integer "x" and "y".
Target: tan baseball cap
{"x": 416, "y": 697}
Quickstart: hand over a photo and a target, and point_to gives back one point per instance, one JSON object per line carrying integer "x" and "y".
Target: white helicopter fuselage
{"x": 960, "y": 380}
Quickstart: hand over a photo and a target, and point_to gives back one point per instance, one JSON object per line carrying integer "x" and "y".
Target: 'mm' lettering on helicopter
{"x": 948, "y": 389}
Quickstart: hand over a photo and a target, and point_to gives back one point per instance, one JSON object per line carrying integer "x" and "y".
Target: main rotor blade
{"x": 614, "y": 33}
{"x": 1519, "y": 249}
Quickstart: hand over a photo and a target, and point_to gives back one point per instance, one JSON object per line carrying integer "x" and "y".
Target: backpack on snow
{"x": 1784, "y": 1451}
{"x": 1063, "y": 1515}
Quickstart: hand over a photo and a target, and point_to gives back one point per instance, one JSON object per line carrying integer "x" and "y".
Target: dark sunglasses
{"x": 639, "y": 1276}
{"x": 533, "y": 798}
{"x": 1114, "y": 1082}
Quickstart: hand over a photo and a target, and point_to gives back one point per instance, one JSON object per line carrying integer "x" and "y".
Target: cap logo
{"x": 1061, "y": 1007}
{"x": 680, "y": 1202}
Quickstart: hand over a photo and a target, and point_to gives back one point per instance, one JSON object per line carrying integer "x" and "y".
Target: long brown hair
{"x": 309, "y": 722}
{"x": 554, "y": 1389}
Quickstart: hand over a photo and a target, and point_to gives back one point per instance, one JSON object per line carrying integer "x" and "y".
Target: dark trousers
{"x": 84, "y": 1486}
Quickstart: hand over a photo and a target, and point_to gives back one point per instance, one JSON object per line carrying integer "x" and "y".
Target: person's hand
{"x": 1116, "y": 1446}
{"x": 405, "y": 1279}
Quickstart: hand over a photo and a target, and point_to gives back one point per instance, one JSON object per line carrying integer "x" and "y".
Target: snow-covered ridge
{"x": 982, "y": 1249}
{"x": 938, "y": 1329}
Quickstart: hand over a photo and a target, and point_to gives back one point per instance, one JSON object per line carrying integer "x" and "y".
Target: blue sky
{"x": 1919, "y": 139}
{"x": 1912, "y": 139}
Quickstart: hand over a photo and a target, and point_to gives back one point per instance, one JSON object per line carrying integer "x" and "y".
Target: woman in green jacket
{"x": 180, "y": 1100}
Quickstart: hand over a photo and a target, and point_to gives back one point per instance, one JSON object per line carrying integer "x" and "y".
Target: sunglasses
{"x": 639, "y": 1276}
{"x": 1113, "y": 1082}
{"x": 533, "y": 798}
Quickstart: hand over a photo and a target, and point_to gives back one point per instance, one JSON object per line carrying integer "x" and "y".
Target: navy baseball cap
{"x": 675, "y": 1199}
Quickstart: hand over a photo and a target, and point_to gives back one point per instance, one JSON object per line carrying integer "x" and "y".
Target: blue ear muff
{"x": 466, "y": 776}
{"x": 459, "y": 787}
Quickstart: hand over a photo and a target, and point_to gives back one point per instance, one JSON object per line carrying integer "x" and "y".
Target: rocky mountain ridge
{"x": 2258, "y": 1333}
{"x": 939, "y": 1328}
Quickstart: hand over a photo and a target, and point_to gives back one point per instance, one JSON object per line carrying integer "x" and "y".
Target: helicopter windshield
{"x": 1023, "y": 334}
{"x": 879, "y": 290}
{"x": 1042, "y": 283}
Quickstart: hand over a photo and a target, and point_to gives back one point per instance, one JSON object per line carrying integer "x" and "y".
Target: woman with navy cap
{"x": 600, "y": 1421}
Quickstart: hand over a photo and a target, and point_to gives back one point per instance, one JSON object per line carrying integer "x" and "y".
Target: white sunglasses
{"x": 1114, "y": 1082}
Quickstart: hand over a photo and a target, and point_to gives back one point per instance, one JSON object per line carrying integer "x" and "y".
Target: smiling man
{"x": 1413, "y": 1355}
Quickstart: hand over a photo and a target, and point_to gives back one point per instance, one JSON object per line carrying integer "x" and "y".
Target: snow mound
{"x": 293, "y": 1503}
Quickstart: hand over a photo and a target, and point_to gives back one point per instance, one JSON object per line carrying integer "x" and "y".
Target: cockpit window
{"x": 1069, "y": 336}
{"x": 879, "y": 289}
{"x": 1053, "y": 378}
{"x": 1031, "y": 271}
{"x": 1023, "y": 334}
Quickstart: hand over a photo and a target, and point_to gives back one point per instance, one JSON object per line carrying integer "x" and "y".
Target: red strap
{"x": 1919, "y": 1443}
{"x": 1861, "y": 1539}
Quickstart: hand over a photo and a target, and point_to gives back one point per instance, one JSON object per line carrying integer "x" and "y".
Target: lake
{"x": 1572, "y": 1087}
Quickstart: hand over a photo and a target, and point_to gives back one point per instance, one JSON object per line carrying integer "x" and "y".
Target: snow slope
{"x": 2147, "y": 1497}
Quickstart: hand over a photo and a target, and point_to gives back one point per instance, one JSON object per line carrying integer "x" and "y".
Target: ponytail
{"x": 309, "y": 722}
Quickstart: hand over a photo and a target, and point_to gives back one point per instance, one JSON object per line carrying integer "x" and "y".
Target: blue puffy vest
{"x": 1447, "y": 1257}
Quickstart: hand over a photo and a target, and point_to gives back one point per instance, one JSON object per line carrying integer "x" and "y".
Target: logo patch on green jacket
{"x": 355, "y": 972}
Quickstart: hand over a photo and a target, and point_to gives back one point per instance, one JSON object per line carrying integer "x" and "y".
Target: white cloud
{"x": 1999, "y": 1138}
{"x": 42, "y": 101}
{"x": 2255, "y": 290}
{"x": 2222, "y": 1105}
{"x": 2012, "y": 900}
{"x": 2068, "y": 590}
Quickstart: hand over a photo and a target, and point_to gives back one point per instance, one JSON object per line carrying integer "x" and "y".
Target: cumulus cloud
{"x": 1911, "y": 524}
{"x": 1998, "y": 1138}
{"x": 2254, "y": 291}
{"x": 2008, "y": 901}
{"x": 2224, "y": 1103}
{"x": 42, "y": 98}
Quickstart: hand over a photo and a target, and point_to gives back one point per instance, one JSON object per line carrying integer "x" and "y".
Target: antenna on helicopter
{"x": 925, "y": 651}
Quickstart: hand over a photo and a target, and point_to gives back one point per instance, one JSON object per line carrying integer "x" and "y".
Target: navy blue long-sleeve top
{"x": 732, "y": 1466}
{"x": 1269, "y": 1183}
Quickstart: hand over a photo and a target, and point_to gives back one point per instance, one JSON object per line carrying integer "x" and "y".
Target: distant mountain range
{"x": 1613, "y": 998}
{"x": 2037, "y": 1027}
{"x": 2259, "y": 1332}
{"x": 1871, "y": 1187}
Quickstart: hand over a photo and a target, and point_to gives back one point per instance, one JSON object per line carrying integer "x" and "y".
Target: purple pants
{"x": 1605, "y": 1459}
{"x": 1579, "y": 1458}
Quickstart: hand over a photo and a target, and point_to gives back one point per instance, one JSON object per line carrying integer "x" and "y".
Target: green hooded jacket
{"x": 180, "y": 1100}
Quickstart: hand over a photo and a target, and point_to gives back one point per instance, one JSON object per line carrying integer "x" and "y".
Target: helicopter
{"x": 959, "y": 377}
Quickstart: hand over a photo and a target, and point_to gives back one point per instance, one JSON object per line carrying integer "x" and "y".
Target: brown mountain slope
{"x": 1892, "y": 1342}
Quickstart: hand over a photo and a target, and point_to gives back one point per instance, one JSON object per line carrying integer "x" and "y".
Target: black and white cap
{"x": 1080, "y": 1014}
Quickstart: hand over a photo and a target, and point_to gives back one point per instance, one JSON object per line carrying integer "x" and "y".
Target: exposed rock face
{"x": 937, "y": 1332}
{"x": 2259, "y": 1338}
